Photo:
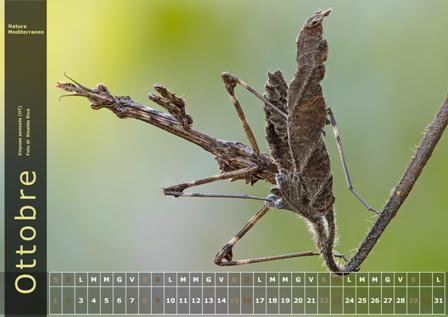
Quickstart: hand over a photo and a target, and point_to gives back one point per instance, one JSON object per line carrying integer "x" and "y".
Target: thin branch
{"x": 401, "y": 191}
{"x": 239, "y": 174}
{"x": 231, "y": 156}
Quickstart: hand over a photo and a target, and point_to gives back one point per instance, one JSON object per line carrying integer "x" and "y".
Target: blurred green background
{"x": 387, "y": 73}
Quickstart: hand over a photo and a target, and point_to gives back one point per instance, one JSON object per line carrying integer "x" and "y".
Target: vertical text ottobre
{"x": 26, "y": 283}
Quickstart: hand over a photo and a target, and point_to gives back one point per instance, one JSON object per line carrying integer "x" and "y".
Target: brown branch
{"x": 231, "y": 156}
{"x": 427, "y": 145}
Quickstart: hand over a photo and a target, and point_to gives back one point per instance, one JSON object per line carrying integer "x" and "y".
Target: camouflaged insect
{"x": 304, "y": 180}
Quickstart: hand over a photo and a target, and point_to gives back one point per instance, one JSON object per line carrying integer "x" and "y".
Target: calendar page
{"x": 224, "y": 157}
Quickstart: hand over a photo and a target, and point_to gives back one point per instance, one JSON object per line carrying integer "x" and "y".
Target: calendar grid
{"x": 278, "y": 296}
{"x": 138, "y": 292}
{"x": 228, "y": 302}
{"x": 343, "y": 296}
{"x": 393, "y": 296}
{"x": 253, "y": 293}
{"x": 419, "y": 307}
{"x": 100, "y": 294}
{"x": 126, "y": 298}
{"x": 330, "y": 298}
{"x": 214, "y": 303}
{"x": 237, "y": 293}
{"x": 432, "y": 293}
{"x": 381, "y": 296}
{"x": 407, "y": 293}
{"x": 305, "y": 298}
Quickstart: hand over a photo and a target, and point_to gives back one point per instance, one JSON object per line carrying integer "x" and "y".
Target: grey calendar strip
{"x": 247, "y": 293}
